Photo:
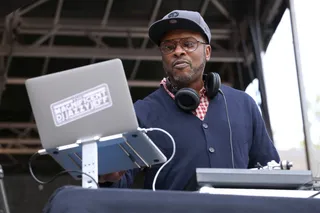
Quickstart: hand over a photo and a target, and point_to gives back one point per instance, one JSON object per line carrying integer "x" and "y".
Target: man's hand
{"x": 111, "y": 177}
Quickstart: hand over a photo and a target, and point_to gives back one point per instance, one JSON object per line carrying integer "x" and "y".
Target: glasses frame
{"x": 178, "y": 41}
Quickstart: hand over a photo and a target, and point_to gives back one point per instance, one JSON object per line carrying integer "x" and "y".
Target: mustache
{"x": 179, "y": 61}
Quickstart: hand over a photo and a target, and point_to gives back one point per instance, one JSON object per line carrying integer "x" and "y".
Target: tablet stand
{"x": 117, "y": 152}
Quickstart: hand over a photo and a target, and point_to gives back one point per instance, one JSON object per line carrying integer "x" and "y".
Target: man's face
{"x": 182, "y": 64}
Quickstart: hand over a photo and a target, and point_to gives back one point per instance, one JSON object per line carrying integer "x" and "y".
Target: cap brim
{"x": 161, "y": 27}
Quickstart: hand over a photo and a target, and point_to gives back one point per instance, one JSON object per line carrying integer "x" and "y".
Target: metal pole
{"x": 4, "y": 206}
{"x": 257, "y": 45}
{"x": 303, "y": 101}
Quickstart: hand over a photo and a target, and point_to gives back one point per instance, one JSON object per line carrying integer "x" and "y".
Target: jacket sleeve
{"x": 262, "y": 150}
{"x": 125, "y": 182}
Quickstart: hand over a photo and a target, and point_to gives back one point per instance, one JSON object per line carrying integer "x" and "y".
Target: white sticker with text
{"x": 81, "y": 105}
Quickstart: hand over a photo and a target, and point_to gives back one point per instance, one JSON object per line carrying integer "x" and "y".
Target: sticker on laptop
{"x": 81, "y": 105}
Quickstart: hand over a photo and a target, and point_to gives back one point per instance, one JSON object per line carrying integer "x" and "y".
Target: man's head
{"x": 183, "y": 38}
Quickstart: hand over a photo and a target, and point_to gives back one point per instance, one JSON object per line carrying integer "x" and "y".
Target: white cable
{"x": 168, "y": 161}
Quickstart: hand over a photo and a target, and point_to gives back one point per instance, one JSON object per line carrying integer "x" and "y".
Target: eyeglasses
{"x": 187, "y": 44}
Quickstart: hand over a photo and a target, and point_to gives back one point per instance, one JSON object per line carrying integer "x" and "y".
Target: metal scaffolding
{"x": 25, "y": 35}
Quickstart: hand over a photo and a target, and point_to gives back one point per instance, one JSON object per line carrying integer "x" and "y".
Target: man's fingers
{"x": 112, "y": 177}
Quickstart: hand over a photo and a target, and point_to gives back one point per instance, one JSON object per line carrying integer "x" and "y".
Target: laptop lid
{"x": 84, "y": 102}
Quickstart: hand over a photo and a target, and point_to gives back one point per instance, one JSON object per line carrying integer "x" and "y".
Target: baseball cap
{"x": 179, "y": 19}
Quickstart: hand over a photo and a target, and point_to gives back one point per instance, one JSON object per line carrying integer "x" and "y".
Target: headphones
{"x": 188, "y": 99}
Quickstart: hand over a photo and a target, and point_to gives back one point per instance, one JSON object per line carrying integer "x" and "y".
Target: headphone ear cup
{"x": 217, "y": 82}
{"x": 213, "y": 84}
{"x": 187, "y": 99}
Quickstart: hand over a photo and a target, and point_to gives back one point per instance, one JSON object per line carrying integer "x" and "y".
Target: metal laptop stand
{"x": 117, "y": 152}
{"x": 89, "y": 162}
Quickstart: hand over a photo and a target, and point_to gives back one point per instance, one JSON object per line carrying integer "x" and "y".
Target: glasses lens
{"x": 167, "y": 47}
{"x": 188, "y": 44}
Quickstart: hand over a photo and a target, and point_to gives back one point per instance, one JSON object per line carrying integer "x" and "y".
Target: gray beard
{"x": 185, "y": 80}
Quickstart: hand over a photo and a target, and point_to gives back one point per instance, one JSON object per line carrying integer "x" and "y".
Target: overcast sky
{"x": 281, "y": 76}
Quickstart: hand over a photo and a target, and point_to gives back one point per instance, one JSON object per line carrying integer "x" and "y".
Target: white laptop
{"x": 90, "y": 101}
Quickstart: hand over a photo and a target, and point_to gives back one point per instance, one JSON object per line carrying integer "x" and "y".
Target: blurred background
{"x": 255, "y": 49}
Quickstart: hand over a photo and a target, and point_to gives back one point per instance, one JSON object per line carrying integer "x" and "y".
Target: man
{"x": 202, "y": 136}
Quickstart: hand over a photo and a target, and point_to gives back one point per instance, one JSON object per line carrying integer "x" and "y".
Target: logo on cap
{"x": 173, "y": 15}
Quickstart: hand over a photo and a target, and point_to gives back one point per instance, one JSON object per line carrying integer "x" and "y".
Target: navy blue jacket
{"x": 202, "y": 144}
